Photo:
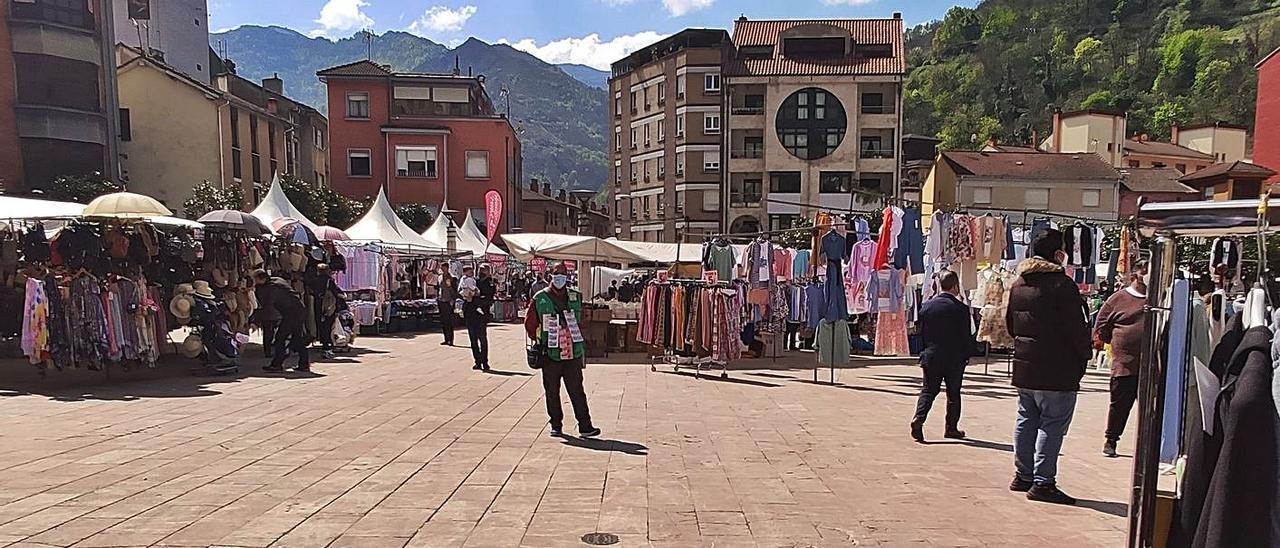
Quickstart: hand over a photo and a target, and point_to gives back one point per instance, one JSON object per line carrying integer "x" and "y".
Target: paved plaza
{"x": 403, "y": 444}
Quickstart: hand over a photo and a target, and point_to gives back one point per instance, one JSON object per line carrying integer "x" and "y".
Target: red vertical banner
{"x": 492, "y": 213}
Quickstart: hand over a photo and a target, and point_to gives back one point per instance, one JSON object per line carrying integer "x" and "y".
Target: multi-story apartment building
{"x": 174, "y": 31}
{"x": 303, "y": 133}
{"x": 813, "y": 118}
{"x": 58, "y": 91}
{"x": 432, "y": 139}
{"x": 666, "y": 118}
{"x": 559, "y": 212}
{"x": 1105, "y": 133}
{"x": 1266, "y": 139}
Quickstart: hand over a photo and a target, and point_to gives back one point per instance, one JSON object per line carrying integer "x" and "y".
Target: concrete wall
{"x": 174, "y": 141}
{"x": 179, "y": 28}
{"x": 1078, "y": 133}
{"x": 1064, "y": 196}
{"x": 1225, "y": 144}
{"x": 11, "y": 175}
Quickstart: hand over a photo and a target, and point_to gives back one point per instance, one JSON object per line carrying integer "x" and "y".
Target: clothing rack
{"x": 887, "y": 200}
{"x": 669, "y": 356}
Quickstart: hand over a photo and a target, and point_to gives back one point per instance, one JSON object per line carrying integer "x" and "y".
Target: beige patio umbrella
{"x": 125, "y": 205}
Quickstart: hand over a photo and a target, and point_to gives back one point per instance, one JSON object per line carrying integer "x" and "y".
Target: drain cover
{"x": 600, "y": 539}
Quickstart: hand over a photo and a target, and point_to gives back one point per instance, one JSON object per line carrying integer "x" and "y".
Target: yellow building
{"x": 1080, "y": 185}
{"x": 177, "y": 132}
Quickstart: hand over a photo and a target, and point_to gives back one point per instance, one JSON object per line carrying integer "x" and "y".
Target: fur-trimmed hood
{"x": 1036, "y": 265}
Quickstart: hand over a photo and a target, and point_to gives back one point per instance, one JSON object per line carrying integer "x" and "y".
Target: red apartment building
{"x": 1266, "y": 126}
{"x": 429, "y": 139}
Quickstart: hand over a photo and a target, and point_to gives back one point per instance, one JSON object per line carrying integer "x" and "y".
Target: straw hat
{"x": 183, "y": 289}
{"x": 203, "y": 289}
{"x": 192, "y": 346}
{"x": 180, "y": 307}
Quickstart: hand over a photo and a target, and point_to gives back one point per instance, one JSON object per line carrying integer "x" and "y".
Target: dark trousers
{"x": 934, "y": 376}
{"x": 478, "y": 332}
{"x": 324, "y": 325}
{"x": 571, "y": 373}
{"x": 447, "y": 319}
{"x": 1124, "y": 390}
{"x": 269, "y": 328}
{"x": 793, "y": 335}
{"x": 290, "y": 337}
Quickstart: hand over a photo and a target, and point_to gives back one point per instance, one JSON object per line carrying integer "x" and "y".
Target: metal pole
{"x": 1146, "y": 457}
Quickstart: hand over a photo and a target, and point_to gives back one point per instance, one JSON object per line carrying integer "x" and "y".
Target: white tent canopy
{"x": 655, "y": 252}
{"x": 381, "y": 224}
{"x": 564, "y": 247}
{"x": 29, "y": 208}
{"x": 476, "y": 239}
{"x": 602, "y": 277}
{"x": 275, "y": 205}
{"x": 465, "y": 237}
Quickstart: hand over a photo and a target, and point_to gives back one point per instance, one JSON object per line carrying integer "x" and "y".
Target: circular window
{"x": 811, "y": 123}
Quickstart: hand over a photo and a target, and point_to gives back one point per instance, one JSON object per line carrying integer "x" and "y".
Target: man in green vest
{"x": 553, "y": 320}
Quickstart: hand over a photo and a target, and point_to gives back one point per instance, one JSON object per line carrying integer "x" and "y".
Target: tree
{"x": 206, "y": 197}
{"x": 1089, "y": 55}
{"x": 959, "y": 31}
{"x": 417, "y": 216}
{"x": 1099, "y": 99}
{"x": 82, "y": 188}
{"x": 1167, "y": 115}
{"x": 308, "y": 198}
{"x": 343, "y": 211}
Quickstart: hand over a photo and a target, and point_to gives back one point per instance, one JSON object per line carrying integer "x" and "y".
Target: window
{"x": 753, "y": 102}
{"x": 783, "y": 222}
{"x": 680, "y": 85}
{"x": 745, "y": 193}
{"x": 633, "y": 138}
{"x": 235, "y": 128}
{"x": 873, "y": 103}
{"x": 1157, "y": 164}
{"x": 644, "y": 166}
{"x": 1182, "y": 168}
{"x": 358, "y": 105}
{"x": 271, "y": 139}
{"x": 1037, "y": 198}
{"x": 237, "y": 172}
{"x": 753, "y": 147}
{"x": 617, "y": 138}
{"x": 1134, "y": 163}
{"x": 680, "y": 126}
{"x": 711, "y": 124}
{"x": 982, "y": 195}
{"x": 711, "y": 82}
{"x": 811, "y": 123}
{"x": 617, "y": 106}
{"x": 477, "y": 164}
{"x": 873, "y": 147}
{"x": 710, "y": 162}
{"x": 835, "y": 182}
{"x": 647, "y": 142}
{"x": 126, "y": 129}
{"x": 1091, "y": 198}
{"x": 680, "y": 164}
{"x": 662, "y": 92}
{"x": 662, "y": 167}
{"x": 1110, "y": 146}
{"x": 319, "y": 138}
{"x": 785, "y": 182}
{"x": 662, "y": 133}
{"x": 253, "y": 133}
{"x": 711, "y": 200}
{"x": 633, "y": 172}
{"x": 633, "y": 102}
{"x": 416, "y": 162}
{"x": 358, "y": 164}
{"x": 617, "y": 177}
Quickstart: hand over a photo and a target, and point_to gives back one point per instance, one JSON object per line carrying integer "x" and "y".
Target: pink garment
{"x": 891, "y": 334}
{"x": 860, "y": 261}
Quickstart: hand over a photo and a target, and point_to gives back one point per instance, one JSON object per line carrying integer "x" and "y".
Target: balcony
{"x": 745, "y": 199}
{"x": 50, "y": 12}
{"x": 423, "y": 173}
{"x": 747, "y": 111}
{"x": 750, "y": 153}
{"x": 876, "y": 153}
{"x": 877, "y": 109}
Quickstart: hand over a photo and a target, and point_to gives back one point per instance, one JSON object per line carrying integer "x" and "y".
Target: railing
{"x": 876, "y": 153}
{"x": 745, "y": 200}
{"x": 415, "y": 173}
{"x": 747, "y": 110}
{"x": 877, "y": 109}
{"x": 747, "y": 153}
{"x": 54, "y": 13}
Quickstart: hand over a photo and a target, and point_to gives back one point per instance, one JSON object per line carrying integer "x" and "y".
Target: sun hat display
{"x": 180, "y": 305}
{"x": 192, "y": 346}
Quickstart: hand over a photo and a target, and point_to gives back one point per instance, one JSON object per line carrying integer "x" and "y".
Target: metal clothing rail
{"x": 891, "y": 199}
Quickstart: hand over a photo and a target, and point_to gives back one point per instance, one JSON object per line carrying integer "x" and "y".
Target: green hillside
{"x": 1001, "y": 68}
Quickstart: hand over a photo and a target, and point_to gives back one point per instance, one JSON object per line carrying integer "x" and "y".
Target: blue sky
{"x": 591, "y": 32}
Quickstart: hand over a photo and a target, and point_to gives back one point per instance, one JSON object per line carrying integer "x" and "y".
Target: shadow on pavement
{"x": 501, "y": 373}
{"x": 714, "y": 376}
{"x": 971, "y": 442}
{"x": 1114, "y": 508}
{"x": 606, "y": 445}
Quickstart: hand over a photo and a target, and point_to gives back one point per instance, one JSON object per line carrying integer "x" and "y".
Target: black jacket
{"x": 1240, "y": 505}
{"x": 480, "y": 306}
{"x": 945, "y": 330}
{"x": 1050, "y": 331}
{"x": 1085, "y": 257}
{"x": 276, "y": 299}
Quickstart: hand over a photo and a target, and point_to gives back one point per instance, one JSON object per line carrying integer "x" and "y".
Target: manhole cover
{"x": 600, "y": 539}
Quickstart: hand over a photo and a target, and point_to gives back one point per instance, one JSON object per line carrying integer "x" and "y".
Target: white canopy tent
{"x": 381, "y": 224}
{"x": 28, "y": 208}
{"x": 465, "y": 240}
{"x": 275, "y": 205}
{"x": 565, "y": 247}
{"x": 476, "y": 239}
{"x": 603, "y": 276}
{"x": 654, "y": 252}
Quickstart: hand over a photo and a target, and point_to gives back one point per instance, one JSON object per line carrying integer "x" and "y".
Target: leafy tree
{"x": 1166, "y": 116}
{"x": 417, "y": 216}
{"x": 308, "y": 198}
{"x": 959, "y": 31}
{"x": 1090, "y": 55}
{"x": 82, "y": 188}
{"x": 1101, "y": 100}
{"x": 343, "y": 211}
{"x": 206, "y": 197}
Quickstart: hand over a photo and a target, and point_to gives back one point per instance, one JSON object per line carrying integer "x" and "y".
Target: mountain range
{"x": 560, "y": 109}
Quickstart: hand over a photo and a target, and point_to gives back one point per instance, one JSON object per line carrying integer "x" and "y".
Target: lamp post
{"x": 582, "y": 195}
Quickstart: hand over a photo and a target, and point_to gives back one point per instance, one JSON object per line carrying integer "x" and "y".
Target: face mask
{"x": 559, "y": 281}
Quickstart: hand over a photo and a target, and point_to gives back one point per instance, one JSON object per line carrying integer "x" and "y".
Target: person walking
{"x": 1122, "y": 324}
{"x": 445, "y": 301}
{"x": 279, "y": 297}
{"x": 326, "y": 296}
{"x": 477, "y": 303}
{"x": 946, "y": 330}
{"x": 1046, "y": 318}
{"x": 553, "y": 320}
{"x": 267, "y": 319}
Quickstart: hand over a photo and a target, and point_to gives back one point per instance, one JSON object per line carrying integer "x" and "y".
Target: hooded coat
{"x": 1046, "y": 318}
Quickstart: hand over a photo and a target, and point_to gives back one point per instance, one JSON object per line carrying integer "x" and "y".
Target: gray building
{"x": 173, "y": 31}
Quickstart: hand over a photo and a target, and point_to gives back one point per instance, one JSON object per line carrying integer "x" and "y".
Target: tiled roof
{"x": 1154, "y": 179}
{"x": 1031, "y": 165}
{"x": 1015, "y": 148}
{"x": 1236, "y": 169}
{"x": 363, "y": 67}
{"x": 749, "y": 33}
{"x": 1164, "y": 149}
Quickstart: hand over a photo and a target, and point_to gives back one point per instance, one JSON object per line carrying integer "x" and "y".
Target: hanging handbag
{"x": 533, "y": 353}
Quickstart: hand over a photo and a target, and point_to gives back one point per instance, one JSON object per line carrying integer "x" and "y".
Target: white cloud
{"x": 442, "y": 19}
{"x": 588, "y": 50}
{"x": 342, "y": 16}
{"x": 680, "y": 7}
{"x": 847, "y": 2}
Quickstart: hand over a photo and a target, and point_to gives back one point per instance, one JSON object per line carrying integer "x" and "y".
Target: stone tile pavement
{"x": 405, "y": 446}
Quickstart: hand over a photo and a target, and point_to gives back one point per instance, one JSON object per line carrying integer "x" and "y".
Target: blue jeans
{"x": 1043, "y": 418}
